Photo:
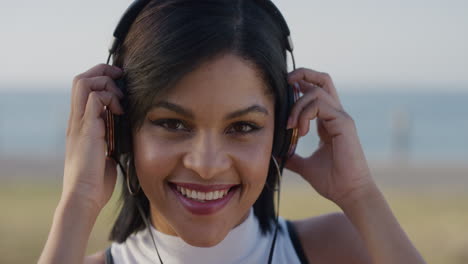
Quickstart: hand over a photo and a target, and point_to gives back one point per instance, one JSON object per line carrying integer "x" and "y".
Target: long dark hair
{"x": 169, "y": 39}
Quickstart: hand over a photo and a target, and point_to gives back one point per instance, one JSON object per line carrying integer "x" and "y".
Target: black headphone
{"x": 118, "y": 126}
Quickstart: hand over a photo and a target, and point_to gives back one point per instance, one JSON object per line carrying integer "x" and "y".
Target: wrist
{"x": 76, "y": 205}
{"x": 364, "y": 195}
{"x": 71, "y": 227}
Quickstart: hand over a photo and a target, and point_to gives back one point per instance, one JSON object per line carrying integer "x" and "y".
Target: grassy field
{"x": 435, "y": 222}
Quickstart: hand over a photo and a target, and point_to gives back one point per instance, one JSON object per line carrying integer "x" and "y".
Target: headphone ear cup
{"x": 290, "y": 100}
{"x": 282, "y": 142}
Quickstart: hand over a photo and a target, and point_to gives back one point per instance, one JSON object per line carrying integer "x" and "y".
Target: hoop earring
{"x": 128, "y": 180}
{"x": 278, "y": 173}
{"x": 270, "y": 257}
{"x": 276, "y": 165}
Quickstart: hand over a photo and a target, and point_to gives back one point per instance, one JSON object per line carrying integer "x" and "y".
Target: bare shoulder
{"x": 331, "y": 238}
{"x": 96, "y": 258}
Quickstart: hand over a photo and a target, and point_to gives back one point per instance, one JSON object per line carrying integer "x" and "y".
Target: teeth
{"x": 202, "y": 196}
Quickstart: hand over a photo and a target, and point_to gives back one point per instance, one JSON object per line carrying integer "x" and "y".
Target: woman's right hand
{"x": 90, "y": 176}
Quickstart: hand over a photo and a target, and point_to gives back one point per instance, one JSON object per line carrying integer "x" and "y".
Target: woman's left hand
{"x": 337, "y": 169}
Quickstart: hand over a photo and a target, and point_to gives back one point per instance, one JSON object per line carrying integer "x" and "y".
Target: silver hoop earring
{"x": 279, "y": 175}
{"x": 277, "y": 166}
{"x": 277, "y": 209}
{"x": 128, "y": 181}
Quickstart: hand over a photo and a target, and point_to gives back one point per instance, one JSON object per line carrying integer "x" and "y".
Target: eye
{"x": 243, "y": 128}
{"x": 171, "y": 124}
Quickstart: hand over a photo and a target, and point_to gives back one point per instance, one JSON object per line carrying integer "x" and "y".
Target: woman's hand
{"x": 89, "y": 176}
{"x": 337, "y": 169}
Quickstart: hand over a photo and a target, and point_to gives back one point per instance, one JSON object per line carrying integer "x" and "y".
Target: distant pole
{"x": 401, "y": 140}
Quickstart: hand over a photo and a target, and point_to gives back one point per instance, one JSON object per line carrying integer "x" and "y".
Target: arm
{"x": 331, "y": 238}
{"x": 338, "y": 169}
{"x": 384, "y": 238}
{"x": 96, "y": 258}
{"x": 89, "y": 176}
{"x": 72, "y": 224}
{"x": 337, "y": 238}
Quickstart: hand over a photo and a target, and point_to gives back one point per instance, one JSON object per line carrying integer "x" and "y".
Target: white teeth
{"x": 202, "y": 196}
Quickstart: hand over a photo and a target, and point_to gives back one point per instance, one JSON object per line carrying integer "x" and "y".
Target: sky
{"x": 410, "y": 45}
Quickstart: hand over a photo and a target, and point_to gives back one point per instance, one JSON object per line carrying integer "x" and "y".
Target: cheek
{"x": 153, "y": 160}
{"x": 253, "y": 162}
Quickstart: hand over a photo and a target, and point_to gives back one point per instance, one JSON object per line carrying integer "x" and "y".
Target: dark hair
{"x": 171, "y": 38}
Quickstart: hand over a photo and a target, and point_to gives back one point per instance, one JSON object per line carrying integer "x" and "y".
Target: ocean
{"x": 391, "y": 125}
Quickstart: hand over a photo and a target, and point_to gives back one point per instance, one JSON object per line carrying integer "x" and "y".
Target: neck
{"x": 208, "y": 232}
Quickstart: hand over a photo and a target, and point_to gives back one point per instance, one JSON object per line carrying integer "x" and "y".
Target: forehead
{"x": 227, "y": 82}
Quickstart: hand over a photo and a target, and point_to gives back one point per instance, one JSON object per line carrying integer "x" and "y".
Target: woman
{"x": 204, "y": 99}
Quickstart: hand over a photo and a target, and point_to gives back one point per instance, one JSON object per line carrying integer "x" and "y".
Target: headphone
{"x": 118, "y": 126}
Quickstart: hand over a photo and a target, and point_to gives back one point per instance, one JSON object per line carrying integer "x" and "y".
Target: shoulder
{"x": 331, "y": 238}
{"x": 96, "y": 258}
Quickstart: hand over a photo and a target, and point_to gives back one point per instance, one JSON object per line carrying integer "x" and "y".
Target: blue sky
{"x": 364, "y": 44}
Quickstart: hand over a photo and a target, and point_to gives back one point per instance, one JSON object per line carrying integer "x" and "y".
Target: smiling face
{"x": 203, "y": 151}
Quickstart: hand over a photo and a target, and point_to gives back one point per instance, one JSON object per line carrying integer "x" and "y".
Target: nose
{"x": 207, "y": 157}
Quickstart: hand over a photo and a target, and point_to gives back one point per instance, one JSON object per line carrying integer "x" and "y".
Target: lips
{"x": 204, "y": 199}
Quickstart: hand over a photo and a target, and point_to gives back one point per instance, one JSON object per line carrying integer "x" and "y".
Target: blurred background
{"x": 400, "y": 67}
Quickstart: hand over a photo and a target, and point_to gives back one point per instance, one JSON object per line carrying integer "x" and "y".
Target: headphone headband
{"x": 272, "y": 9}
{"x": 125, "y": 22}
{"x": 137, "y": 6}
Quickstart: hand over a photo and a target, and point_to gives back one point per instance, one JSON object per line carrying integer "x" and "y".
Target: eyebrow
{"x": 188, "y": 113}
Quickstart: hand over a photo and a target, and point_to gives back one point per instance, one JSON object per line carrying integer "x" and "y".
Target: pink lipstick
{"x": 204, "y": 199}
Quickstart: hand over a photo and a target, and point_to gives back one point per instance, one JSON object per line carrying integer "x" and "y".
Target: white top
{"x": 243, "y": 244}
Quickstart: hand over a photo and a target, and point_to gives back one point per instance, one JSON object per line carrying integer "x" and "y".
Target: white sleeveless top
{"x": 243, "y": 244}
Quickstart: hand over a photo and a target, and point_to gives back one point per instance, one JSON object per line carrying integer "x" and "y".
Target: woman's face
{"x": 203, "y": 151}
